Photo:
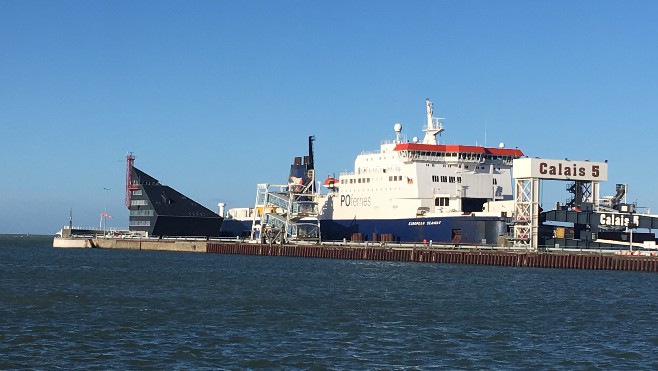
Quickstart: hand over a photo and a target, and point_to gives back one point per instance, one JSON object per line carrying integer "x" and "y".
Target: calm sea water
{"x": 100, "y": 309}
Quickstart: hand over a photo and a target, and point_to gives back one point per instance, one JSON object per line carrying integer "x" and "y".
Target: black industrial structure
{"x": 160, "y": 210}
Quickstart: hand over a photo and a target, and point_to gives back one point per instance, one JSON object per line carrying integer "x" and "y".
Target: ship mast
{"x": 434, "y": 126}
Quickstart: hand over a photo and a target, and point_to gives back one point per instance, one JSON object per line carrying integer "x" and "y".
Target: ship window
{"x": 459, "y": 179}
{"x": 442, "y": 201}
{"x": 465, "y": 166}
{"x": 495, "y": 181}
{"x": 444, "y": 178}
{"x": 451, "y": 179}
{"x": 137, "y": 192}
{"x": 138, "y": 202}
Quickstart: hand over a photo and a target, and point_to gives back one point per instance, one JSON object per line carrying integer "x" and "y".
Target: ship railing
{"x": 403, "y": 139}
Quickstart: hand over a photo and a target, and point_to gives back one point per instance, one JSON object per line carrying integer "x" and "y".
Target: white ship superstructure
{"x": 418, "y": 182}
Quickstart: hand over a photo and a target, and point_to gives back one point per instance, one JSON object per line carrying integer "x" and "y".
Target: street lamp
{"x": 104, "y": 216}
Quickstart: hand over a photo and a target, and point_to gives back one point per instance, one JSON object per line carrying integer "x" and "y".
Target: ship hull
{"x": 236, "y": 228}
{"x": 463, "y": 230}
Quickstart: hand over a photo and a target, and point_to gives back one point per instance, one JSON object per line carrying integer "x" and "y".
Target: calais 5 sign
{"x": 560, "y": 169}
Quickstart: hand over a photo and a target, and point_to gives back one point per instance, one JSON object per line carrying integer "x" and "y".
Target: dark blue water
{"x": 100, "y": 309}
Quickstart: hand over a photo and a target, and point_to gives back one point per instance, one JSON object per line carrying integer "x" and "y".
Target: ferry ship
{"x": 408, "y": 191}
{"x": 422, "y": 191}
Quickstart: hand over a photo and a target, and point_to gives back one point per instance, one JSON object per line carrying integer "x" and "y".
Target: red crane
{"x": 130, "y": 187}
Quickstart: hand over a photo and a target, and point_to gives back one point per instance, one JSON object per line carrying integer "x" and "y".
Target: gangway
{"x": 278, "y": 199}
{"x": 283, "y": 215}
{"x": 289, "y": 213}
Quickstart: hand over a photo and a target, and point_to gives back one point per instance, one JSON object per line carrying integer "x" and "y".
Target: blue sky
{"x": 214, "y": 97}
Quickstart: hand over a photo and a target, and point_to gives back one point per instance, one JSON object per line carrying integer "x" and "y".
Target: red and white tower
{"x": 130, "y": 187}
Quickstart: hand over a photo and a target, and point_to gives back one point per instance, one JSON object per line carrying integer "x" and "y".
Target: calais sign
{"x": 560, "y": 169}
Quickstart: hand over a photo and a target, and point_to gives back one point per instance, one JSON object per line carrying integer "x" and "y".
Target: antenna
{"x": 434, "y": 126}
{"x": 398, "y": 130}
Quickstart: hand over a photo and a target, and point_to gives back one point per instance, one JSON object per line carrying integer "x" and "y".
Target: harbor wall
{"x": 153, "y": 245}
{"x": 593, "y": 261}
{"x": 131, "y": 244}
{"x": 76, "y": 243}
{"x": 566, "y": 260}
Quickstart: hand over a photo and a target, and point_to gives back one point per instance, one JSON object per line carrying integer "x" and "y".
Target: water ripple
{"x": 100, "y": 309}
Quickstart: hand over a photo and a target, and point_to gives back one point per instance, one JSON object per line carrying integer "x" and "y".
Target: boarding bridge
{"x": 598, "y": 229}
{"x": 284, "y": 215}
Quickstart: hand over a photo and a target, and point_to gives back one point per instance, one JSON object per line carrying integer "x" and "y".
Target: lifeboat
{"x": 331, "y": 183}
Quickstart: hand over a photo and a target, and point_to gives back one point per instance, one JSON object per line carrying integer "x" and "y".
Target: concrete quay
{"x": 592, "y": 260}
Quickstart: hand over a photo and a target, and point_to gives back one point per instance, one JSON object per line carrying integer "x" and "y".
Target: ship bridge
{"x": 446, "y": 152}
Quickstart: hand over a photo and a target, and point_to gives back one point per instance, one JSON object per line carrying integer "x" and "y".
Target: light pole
{"x": 107, "y": 189}
{"x": 631, "y": 225}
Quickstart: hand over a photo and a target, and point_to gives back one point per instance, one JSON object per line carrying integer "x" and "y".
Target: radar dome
{"x": 501, "y": 145}
{"x": 415, "y": 140}
{"x": 397, "y": 127}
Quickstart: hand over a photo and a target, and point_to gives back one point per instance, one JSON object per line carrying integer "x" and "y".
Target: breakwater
{"x": 179, "y": 245}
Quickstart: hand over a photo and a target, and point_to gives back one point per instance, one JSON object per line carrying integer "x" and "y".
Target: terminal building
{"x": 161, "y": 211}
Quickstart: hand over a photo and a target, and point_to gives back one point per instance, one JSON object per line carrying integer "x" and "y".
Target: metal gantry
{"x": 526, "y": 207}
{"x": 285, "y": 213}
